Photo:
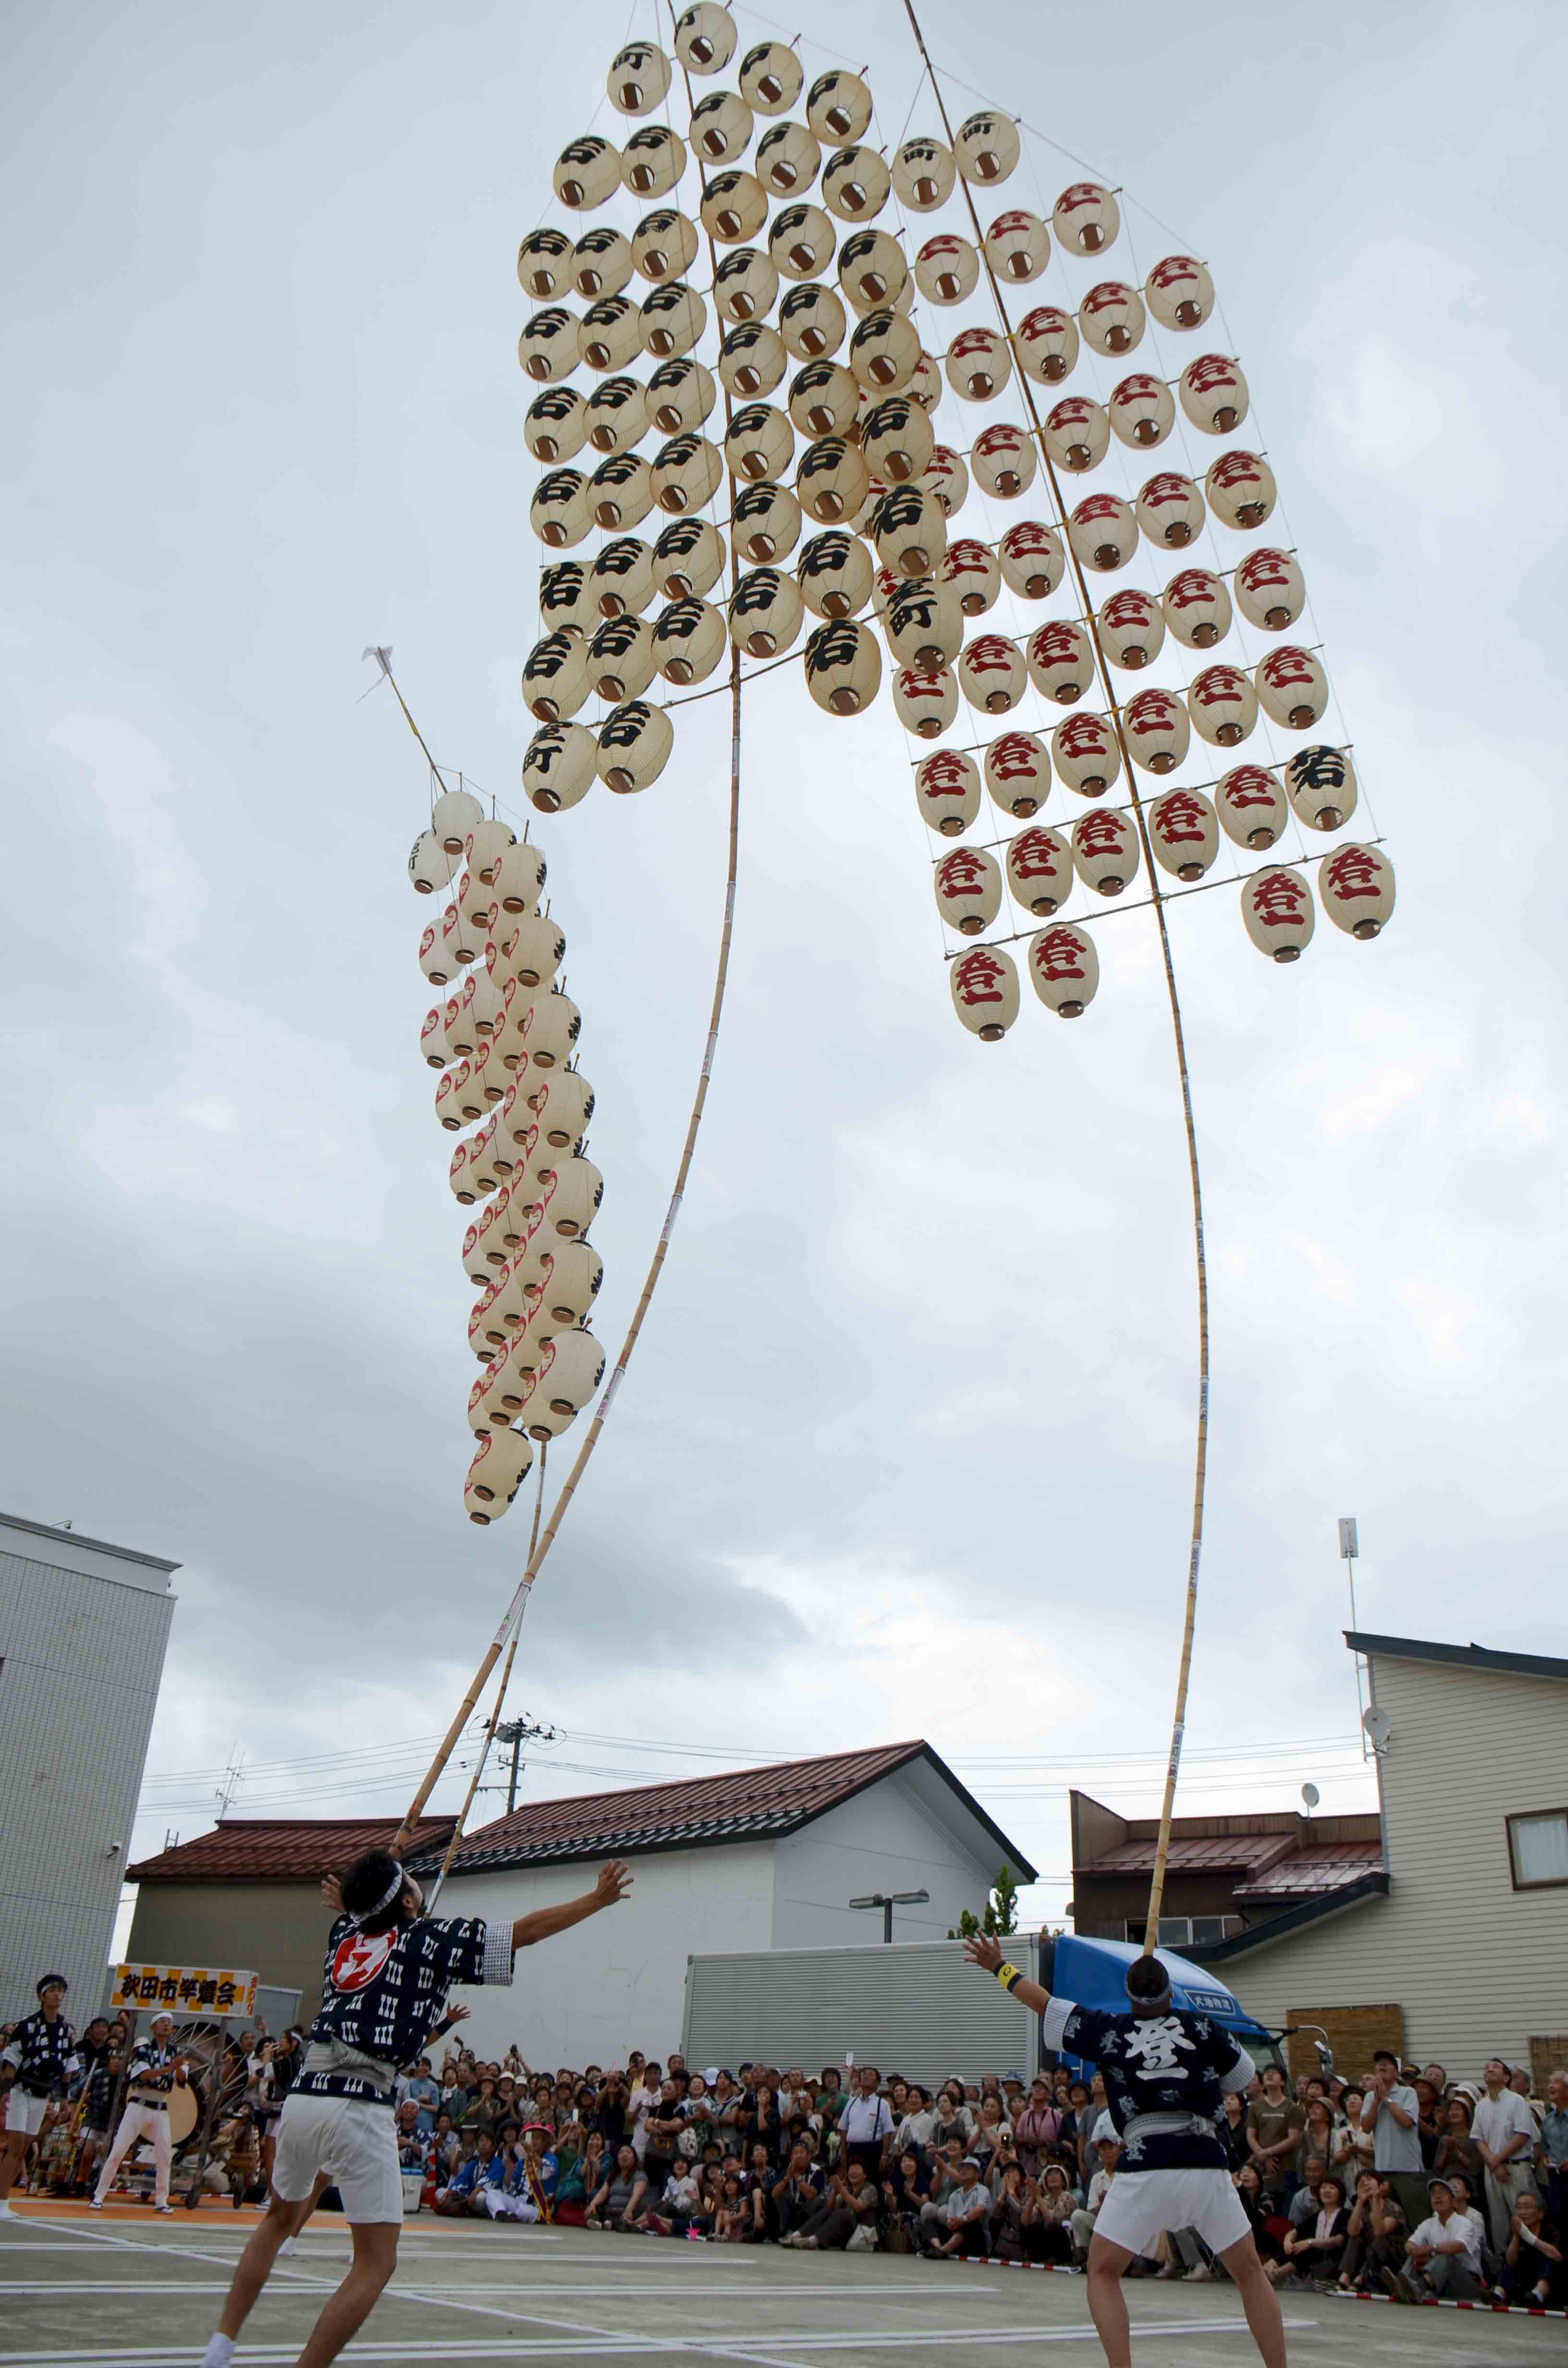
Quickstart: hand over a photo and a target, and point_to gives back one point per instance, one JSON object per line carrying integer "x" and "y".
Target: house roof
{"x": 1373, "y": 1886}
{"x": 79, "y": 1538}
{"x": 741, "y": 1805}
{"x": 1240, "y": 1854}
{"x": 1462, "y": 1657}
{"x": 1325, "y": 1866}
{"x": 280, "y": 1850}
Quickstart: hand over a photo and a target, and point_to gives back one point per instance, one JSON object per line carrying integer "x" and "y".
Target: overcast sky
{"x": 906, "y": 1447}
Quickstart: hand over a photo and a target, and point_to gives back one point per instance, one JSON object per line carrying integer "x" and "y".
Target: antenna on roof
{"x": 1311, "y": 1797}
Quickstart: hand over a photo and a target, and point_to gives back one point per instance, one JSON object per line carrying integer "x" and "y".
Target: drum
{"x": 183, "y": 2112}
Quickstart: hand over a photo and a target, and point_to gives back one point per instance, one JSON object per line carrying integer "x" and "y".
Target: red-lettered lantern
{"x": 1240, "y": 489}
{"x": 946, "y": 476}
{"x": 1142, "y": 411}
{"x": 433, "y": 1046}
{"x": 1320, "y": 785}
{"x": 991, "y": 674}
{"x": 1112, "y": 317}
{"x": 1064, "y": 968}
{"x": 1004, "y": 461}
{"x": 946, "y": 790}
{"x": 968, "y": 885}
{"x": 1038, "y": 865}
{"x": 1060, "y": 661}
{"x": 984, "y": 989}
{"x": 927, "y": 699}
{"x": 978, "y": 364}
{"x": 1103, "y": 530}
{"x": 1276, "y": 910}
{"x": 1270, "y": 591}
{"x": 1085, "y": 755}
{"x": 1017, "y": 245}
{"x": 1085, "y": 218}
{"x": 1196, "y": 608}
{"x": 1184, "y": 833}
{"x": 1018, "y": 774}
{"x": 971, "y": 568}
{"x": 1355, "y": 885}
{"x": 1130, "y": 628}
{"x": 433, "y": 957}
{"x": 1047, "y": 341}
{"x": 1251, "y": 806}
{"x": 1214, "y": 394}
{"x": 1180, "y": 292}
{"x": 1158, "y": 733}
{"x": 1077, "y": 433}
{"x": 1170, "y": 510}
{"x": 1105, "y": 850}
{"x": 1293, "y": 687}
{"x": 947, "y": 268}
{"x": 1222, "y": 705}
{"x": 1032, "y": 559}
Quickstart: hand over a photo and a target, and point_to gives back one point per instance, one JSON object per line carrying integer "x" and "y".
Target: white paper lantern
{"x": 1240, "y": 489}
{"x": 721, "y": 125}
{"x": 760, "y": 443}
{"x": 812, "y": 321}
{"x": 547, "y": 348}
{"x": 621, "y": 578}
{"x": 1322, "y": 787}
{"x": 925, "y": 700}
{"x": 985, "y": 147}
{"x": 800, "y": 241}
{"x": 946, "y": 477}
{"x": 494, "y": 1477}
{"x": 1018, "y": 774}
{"x": 1158, "y": 734}
{"x": 1038, "y": 865}
{"x": 825, "y": 401}
{"x": 487, "y": 1333}
{"x": 556, "y": 424}
{"x": 946, "y": 790}
{"x": 688, "y": 642}
{"x": 855, "y": 183}
{"x": 883, "y": 352}
{"x": 765, "y": 612}
{"x": 1142, "y": 413}
{"x": 1170, "y": 510}
{"x": 1032, "y": 559}
{"x": 1047, "y": 343}
{"x": 1222, "y": 705}
{"x": 561, "y": 511}
{"x": 834, "y": 573}
{"x": 601, "y": 261}
{"x": 925, "y": 387}
{"x": 1004, "y": 461}
{"x": 1196, "y": 608}
{"x": 787, "y": 159}
{"x": 553, "y": 1032}
{"x": 664, "y": 246}
{"x": 566, "y": 597}
{"x": 484, "y": 1405}
{"x": 1103, "y": 531}
{"x": 617, "y": 415}
{"x": 433, "y": 959}
{"x": 674, "y": 318}
{"x": 621, "y": 658}
{"x": 1112, "y": 317}
{"x": 1018, "y": 246}
{"x": 745, "y": 286}
{"x": 688, "y": 559}
{"x": 831, "y": 480}
{"x": 770, "y": 78}
{"x": 573, "y": 1189}
{"x": 1180, "y": 292}
{"x": 872, "y": 273}
{"x": 621, "y": 491}
{"x": 572, "y": 1283}
{"x": 984, "y": 987}
{"x": 838, "y": 106}
{"x": 924, "y": 624}
{"x": 972, "y": 570}
{"x": 991, "y": 674}
{"x": 1184, "y": 833}
{"x": 434, "y": 1049}
{"x": 634, "y": 746}
{"x": 1214, "y": 394}
{"x": 1131, "y": 628}
{"x": 570, "y": 1372}
{"x": 638, "y": 78}
{"x": 978, "y": 363}
{"x": 538, "y": 950}
{"x": 460, "y": 945}
{"x": 484, "y": 1158}
{"x": 565, "y": 1103}
{"x": 1270, "y": 591}
{"x": 587, "y": 172}
{"x": 947, "y": 268}
{"x": 967, "y": 887}
{"x": 1293, "y": 687}
{"x": 490, "y": 1229}
{"x": 1277, "y": 912}
{"x": 653, "y": 161}
{"x": 843, "y": 668}
{"x": 555, "y": 678}
{"x": 463, "y": 1187}
{"x": 430, "y": 866}
{"x": 473, "y": 903}
{"x": 1065, "y": 969}
{"x": 509, "y": 1306}
{"x": 1251, "y": 806}
{"x": 1077, "y": 434}
{"x": 544, "y": 264}
{"x": 705, "y": 37}
{"x": 1060, "y": 661}
{"x": 487, "y": 842}
{"x": 909, "y": 530}
{"x": 1356, "y": 887}
{"x": 1105, "y": 850}
{"x": 924, "y": 174}
{"x": 1085, "y": 753}
{"x": 686, "y": 474}
{"x": 1085, "y": 218}
{"x": 559, "y": 766}
{"x": 896, "y": 439}
{"x": 458, "y": 1102}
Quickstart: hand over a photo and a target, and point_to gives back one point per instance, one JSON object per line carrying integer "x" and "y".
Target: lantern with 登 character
{"x": 1276, "y": 911}
{"x": 1131, "y": 628}
{"x": 1105, "y": 850}
{"x": 1018, "y": 774}
{"x": 968, "y": 885}
{"x": 1077, "y": 433}
{"x": 984, "y": 987}
{"x": 1222, "y": 705}
{"x": 1017, "y": 245}
{"x": 1085, "y": 218}
{"x": 1270, "y": 589}
{"x": 1032, "y": 559}
{"x": 1240, "y": 489}
{"x": 1184, "y": 833}
{"x": 991, "y": 674}
{"x": 1064, "y": 967}
{"x": 1355, "y": 885}
{"x": 1085, "y": 755}
{"x": 1003, "y": 458}
{"x": 1112, "y": 317}
{"x": 1157, "y": 730}
{"x": 925, "y": 700}
{"x": 1180, "y": 292}
{"x": 947, "y": 791}
{"x": 1170, "y": 510}
{"x": 1038, "y": 865}
{"x": 1292, "y": 689}
{"x": 1060, "y": 661}
{"x": 1251, "y": 806}
{"x": 1047, "y": 341}
{"x": 1196, "y": 608}
{"x": 1103, "y": 531}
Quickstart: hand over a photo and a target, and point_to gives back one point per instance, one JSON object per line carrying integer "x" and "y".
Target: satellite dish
{"x": 1311, "y": 1797}
{"x": 1378, "y": 1726}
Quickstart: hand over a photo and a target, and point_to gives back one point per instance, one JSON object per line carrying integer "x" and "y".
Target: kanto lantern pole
{"x": 1178, "y": 1723}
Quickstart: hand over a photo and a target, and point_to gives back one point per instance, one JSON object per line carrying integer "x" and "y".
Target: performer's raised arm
{"x": 612, "y": 1887}
{"x": 986, "y": 1952}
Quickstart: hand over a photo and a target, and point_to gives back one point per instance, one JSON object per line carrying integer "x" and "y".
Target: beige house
{"x": 1460, "y": 1950}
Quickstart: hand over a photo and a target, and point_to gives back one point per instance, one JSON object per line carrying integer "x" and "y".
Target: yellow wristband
{"x": 1008, "y": 1974}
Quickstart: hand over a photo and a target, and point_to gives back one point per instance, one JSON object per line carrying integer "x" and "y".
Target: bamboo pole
{"x": 1200, "y": 1461}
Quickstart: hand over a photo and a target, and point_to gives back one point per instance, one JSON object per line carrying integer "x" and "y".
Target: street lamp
{"x": 887, "y": 1901}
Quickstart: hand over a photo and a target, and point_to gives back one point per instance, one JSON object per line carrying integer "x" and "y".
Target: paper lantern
{"x": 570, "y": 1372}
{"x": 984, "y": 989}
{"x": 483, "y": 1163}
{"x": 1142, "y": 413}
{"x": 1240, "y": 489}
{"x": 834, "y": 573}
{"x": 430, "y": 866}
{"x": 1251, "y": 806}
{"x": 1184, "y": 833}
{"x": 1170, "y": 510}
{"x": 1214, "y": 394}
{"x": 1060, "y": 661}
{"x": 1017, "y": 245}
{"x": 1322, "y": 788}
{"x": 484, "y": 1399}
{"x": 558, "y": 766}
{"x": 923, "y": 623}
{"x": 925, "y": 387}
{"x": 760, "y": 442}
{"x": 547, "y": 348}
{"x": 565, "y": 1104}
{"x": 458, "y": 1178}
{"x": 572, "y": 1283}
{"x": 638, "y": 78}
{"x": 765, "y": 612}
{"x": 487, "y": 1332}
{"x": 1293, "y": 687}
{"x": 1270, "y": 591}
{"x": 556, "y": 424}
{"x": 721, "y": 125}
{"x": 561, "y": 512}
{"x": 500, "y": 1465}
{"x": 1047, "y": 344}
{"x": 537, "y": 949}
{"x": 1222, "y": 705}
{"x": 1077, "y": 433}
{"x": 1105, "y": 850}
{"x": 634, "y": 746}
{"x": 1355, "y": 885}
{"x": 1155, "y": 727}
{"x": 843, "y": 668}
{"x": 687, "y": 473}
{"x": 800, "y": 241}
{"x": 688, "y": 559}
{"x": 745, "y": 286}
{"x": 617, "y": 415}
{"x": 1065, "y": 969}
{"x": 601, "y": 261}
{"x": 458, "y": 1102}
{"x": 1112, "y": 317}
{"x": 947, "y": 268}
{"x": 459, "y": 944}
{"x": 896, "y": 439}
{"x": 555, "y": 678}
{"x": 968, "y": 886}
{"x": 621, "y": 491}
{"x": 623, "y": 661}
{"x": 1018, "y": 774}
{"x": 1085, "y": 218}
{"x": 1130, "y": 628}
{"x": 566, "y": 597}
{"x": 674, "y": 318}
{"x": 838, "y": 106}
{"x": 490, "y": 1229}
{"x": 487, "y": 842}
{"x": 572, "y": 1200}
{"x": 433, "y": 958}
{"x": 883, "y": 352}
{"x": 587, "y": 172}
{"x": 787, "y": 159}
{"x": 855, "y": 183}
{"x": 1103, "y": 531}
{"x": 1003, "y": 459}
{"x": 1180, "y": 292}
{"x": 1196, "y": 608}
{"x": 544, "y": 263}
{"x": 553, "y": 1032}
{"x": 434, "y": 1049}
{"x": 872, "y": 273}
{"x": 946, "y": 790}
{"x": 491, "y": 1071}
{"x": 978, "y": 364}
{"x": 653, "y": 161}
{"x": 1038, "y": 865}
{"x": 1277, "y": 912}
{"x": 621, "y": 578}
{"x": 765, "y": 522}
{"x": 473, "y": 903}
{"x": 971, "y": 568}
{"x": 770, "y": 78}
{"x": 909, "y": 530}
{"x": 925, "y": 700}
{"x": 985, "y": 147}
{"x": 664, "y": 246}
{"x": 812, "y": 321}
{"x": 946, "y": 477}
{"x": 923, "y": 174}
{"x": 705, "y": 37}
{"x": 991, "y": 674}
{"x": 1032, "y": 559}
{"x": 509, "y": 1304}
{"x": 1085, "y": 753}
{"x": 831, "y": 480}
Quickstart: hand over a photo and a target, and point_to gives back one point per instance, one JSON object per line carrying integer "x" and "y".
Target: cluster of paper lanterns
{"x": 504, "y": 1046}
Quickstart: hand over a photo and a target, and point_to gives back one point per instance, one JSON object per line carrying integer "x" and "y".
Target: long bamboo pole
{"x": 1200, "y": 1461}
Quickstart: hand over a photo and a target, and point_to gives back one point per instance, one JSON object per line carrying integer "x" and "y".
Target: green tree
{"x": 1000, "y": 1915}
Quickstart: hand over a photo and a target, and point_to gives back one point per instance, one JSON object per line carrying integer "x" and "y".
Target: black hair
{"x": 50, "y": 1982}
{"x": 1148, "y": 1983}
{"x": 1387, "y": 2056}
{"x": 368, "y": 1881}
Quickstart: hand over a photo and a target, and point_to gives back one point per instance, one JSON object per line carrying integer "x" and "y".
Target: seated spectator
{"x": 445, "y": 2149}
{"x": 847, "y": 2217}
{"x": 1315, "y": 2246}
{"x": 914, "y": 2128}
{"x": 410, "y": 2145}
{"x": 731, "y": 2222}
{"x": 905, "y": 2190}
{"x": 1083, "y": 2221}
{"x": 1443, "y": 2256}
{"x": 1375, "y": 2232}
{"x": 620, "y": 2200}
{"x": 795, "y": 2193}
{"x": 463, "y": 2196}
{"x": 965, "y": 2216}
{"x": 992, "y": 2132}
{"x": 1533, "y": 2271}
{"x": 421, "y": 2085}
{"x": 679, "y": 2208}
{"x": 580, "y": 2174}
{"x": 1049, "y": 2207}
{"x": 944, "y": 2180}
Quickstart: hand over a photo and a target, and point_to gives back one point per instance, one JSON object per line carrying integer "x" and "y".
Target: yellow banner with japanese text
{"x": 182, "y": 1990}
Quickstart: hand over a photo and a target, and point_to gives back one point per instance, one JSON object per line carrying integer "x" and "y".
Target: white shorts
{"x": 24, "y": 2115}
{"x": 1139, "y": 2203}
{"x": 349, "y": 2142}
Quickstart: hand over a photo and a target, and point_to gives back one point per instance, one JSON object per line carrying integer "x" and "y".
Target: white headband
{"x": 388, "y": 1895}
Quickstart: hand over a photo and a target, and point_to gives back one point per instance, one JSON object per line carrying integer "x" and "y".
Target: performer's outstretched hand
{"x": 982, "y": 1949}
{"x": 613, "y": 1884}
{"x": 332, "y": 1892}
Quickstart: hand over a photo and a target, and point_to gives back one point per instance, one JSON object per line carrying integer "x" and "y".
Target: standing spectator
{"x": 1389, "y": 2112}
{"x": 1037, "y": 2129}
{"x": 1443, "y": 2256}
{"x": 1232, "y": 2128}
{"x": 1274, "y": 2124}
{"x": 864, "y": 2122}
{"x": 1532, "y": 2261}
{"x": 1084, "y": 2220}
{"x": 609, "y": 2118}
{"x": 915, "y": 2129}
{"x": 965, "y": 2214}
{"x": 1429, "y": 2118}
{"x": 1374, "y": 2234}
{"x": 993, "y": 2133}
{"x": 423, "y": 2088}
{"x": 662, "y": 2126}
{"x": 1554, "y": 2144}
{"x": 1457, "y": 2150}
{"x": 1353, "y": 2147}
{"x": 1316, "y": 2141}
{"x": 1503, "y": 2129}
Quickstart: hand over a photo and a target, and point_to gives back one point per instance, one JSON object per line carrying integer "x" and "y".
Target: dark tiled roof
{"x": 1326, "y": 1867}
{"x": 1242, "y": 1855}
{"x": 1373, "y": 1885}
{"x": 280, "y": 1850}
{"x": 1460, "y": 1656}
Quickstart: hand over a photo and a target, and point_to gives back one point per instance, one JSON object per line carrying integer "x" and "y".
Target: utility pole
{"x": 516, "y": 1732}
{"x": 1349, "y": 1548}
{"x": 232, "y": 1775}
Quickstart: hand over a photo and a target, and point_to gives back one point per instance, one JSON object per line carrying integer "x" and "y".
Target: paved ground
{"x": 132, "y": 2292}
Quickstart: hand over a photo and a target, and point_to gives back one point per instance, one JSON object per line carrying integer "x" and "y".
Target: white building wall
{"x": 883, "y": 1840}
{"x": 1478, "y": 1967}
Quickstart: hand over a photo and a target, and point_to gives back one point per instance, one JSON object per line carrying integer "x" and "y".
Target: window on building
{"x": 1538, "y": 1849}
{"x": 1189, "y": 1931}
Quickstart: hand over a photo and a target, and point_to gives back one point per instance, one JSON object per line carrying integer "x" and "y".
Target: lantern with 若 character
{"x": 1085, "y": 218}
{"x": 909, "y": 530}
{"x": 638, "y": 78}
{"x": 1157, "y": 730}
{"x": 978, "y": 364}
{"x": 770, "y": 78}
{"x": 760, "y": 443}
{"x": 855, "y": 183}
{"x": 566, "y": 597}
{"x": 688, "y": 559}
{"x": 1047, "y": 341}
{"x": 973, "y": 569}
{"x": 788, "y": 158}
{"x": 1004, "y": 461}
{"x": 621, "y": 578}
{"x": 1038, "y": 865}
{"x": 1184, "y": 833}
{"x": 556, "y": 424}
{"x": 824, "y": 400}
{"x": 1064, "y": 967}
{"x": 1196, "y": 608}
{"x": 1103, "y": 531}
{"x": 571, "y": 1200}
{"x": 1355, "y": 885}
{"x": 924, "y": 624}
{"x": 570, "y": 1372}
{"x": 653, "y": 161}
{"x": 1142, "y": 411}
{"x": 984, "y": 987}
{"x": 1017, "y": 245}
{"x": 1077, "y": 433}
{"x": 1112, "y": 317}
{"x": 586, "y": 173}
{"x": 831, "y": 480}
{"x": 601, "y": 262}
{"x": 1214, "y": 394}
{"x": 838, "y": 106}
{"x": 430, "y": 866}
{"x": 705, "y": 37}
{"x": 617, "y": 415}
{"x": 561, "y": 511}
{"x": 518, "y": 878}
{"x": 812, "y": 321}
{"x": 745, "y": 286}
{"x": 721, "y": 125}
{"x": 985, "y": 147}
{"x": 555, "y": 678}
{"x": 1320, "y": 785}
{"x": 1180, "y": 292}
{"x": 621, "y": 658}
{"x": 621, "y": 491}
{"x": 1276, "y": 910}
{"x": 559, "y": 766}
{"x": 1018, "y": 774}
{"x": 564, "y": 1103}
{"x": 673, "y": 318}
{"x": 544, "y": 264}
{"x": 946, "y": 790}
{"x": 634, "y": 746}
{"x": 946, "y": 477}
{"x": 1085, "y": 755}
{"x": 1105, "y": 850}
{"x": 1251, "y": 806}
{"x": 688, "y": 642}
{"x": 1270, "y": 591}
{"x": 571, "y": 1284}
{"x": 923, "y": 174}
{"x": 454, "y": 815}
{"x": 1240, "y": 489}
{"x": 1222, "y": 705}
{"x": 872, "y": 272}
{"x": 968, "y": 885}
{"x": 1061, "y": 662}
{"x": 1293, "y": 687}
{"x": 925, "y": 700}
{"x": 991, "y": 674}
{"x": 1032, "y": 559}
{"x": 945, "y": 268}
{"x": 687, "y": 473}
{"x": 883, "y": 352}
{"x": 896, "y": 439}
{"x": 664, "y": 246}
{"x": 1170, "y": 510}
{"x": 765, "y": 612}
{"x": 834, "y": 575}
{"x": 1131, "y": 628}
{"x": 801, "y": 241}
{"x": 843, "y": 667}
